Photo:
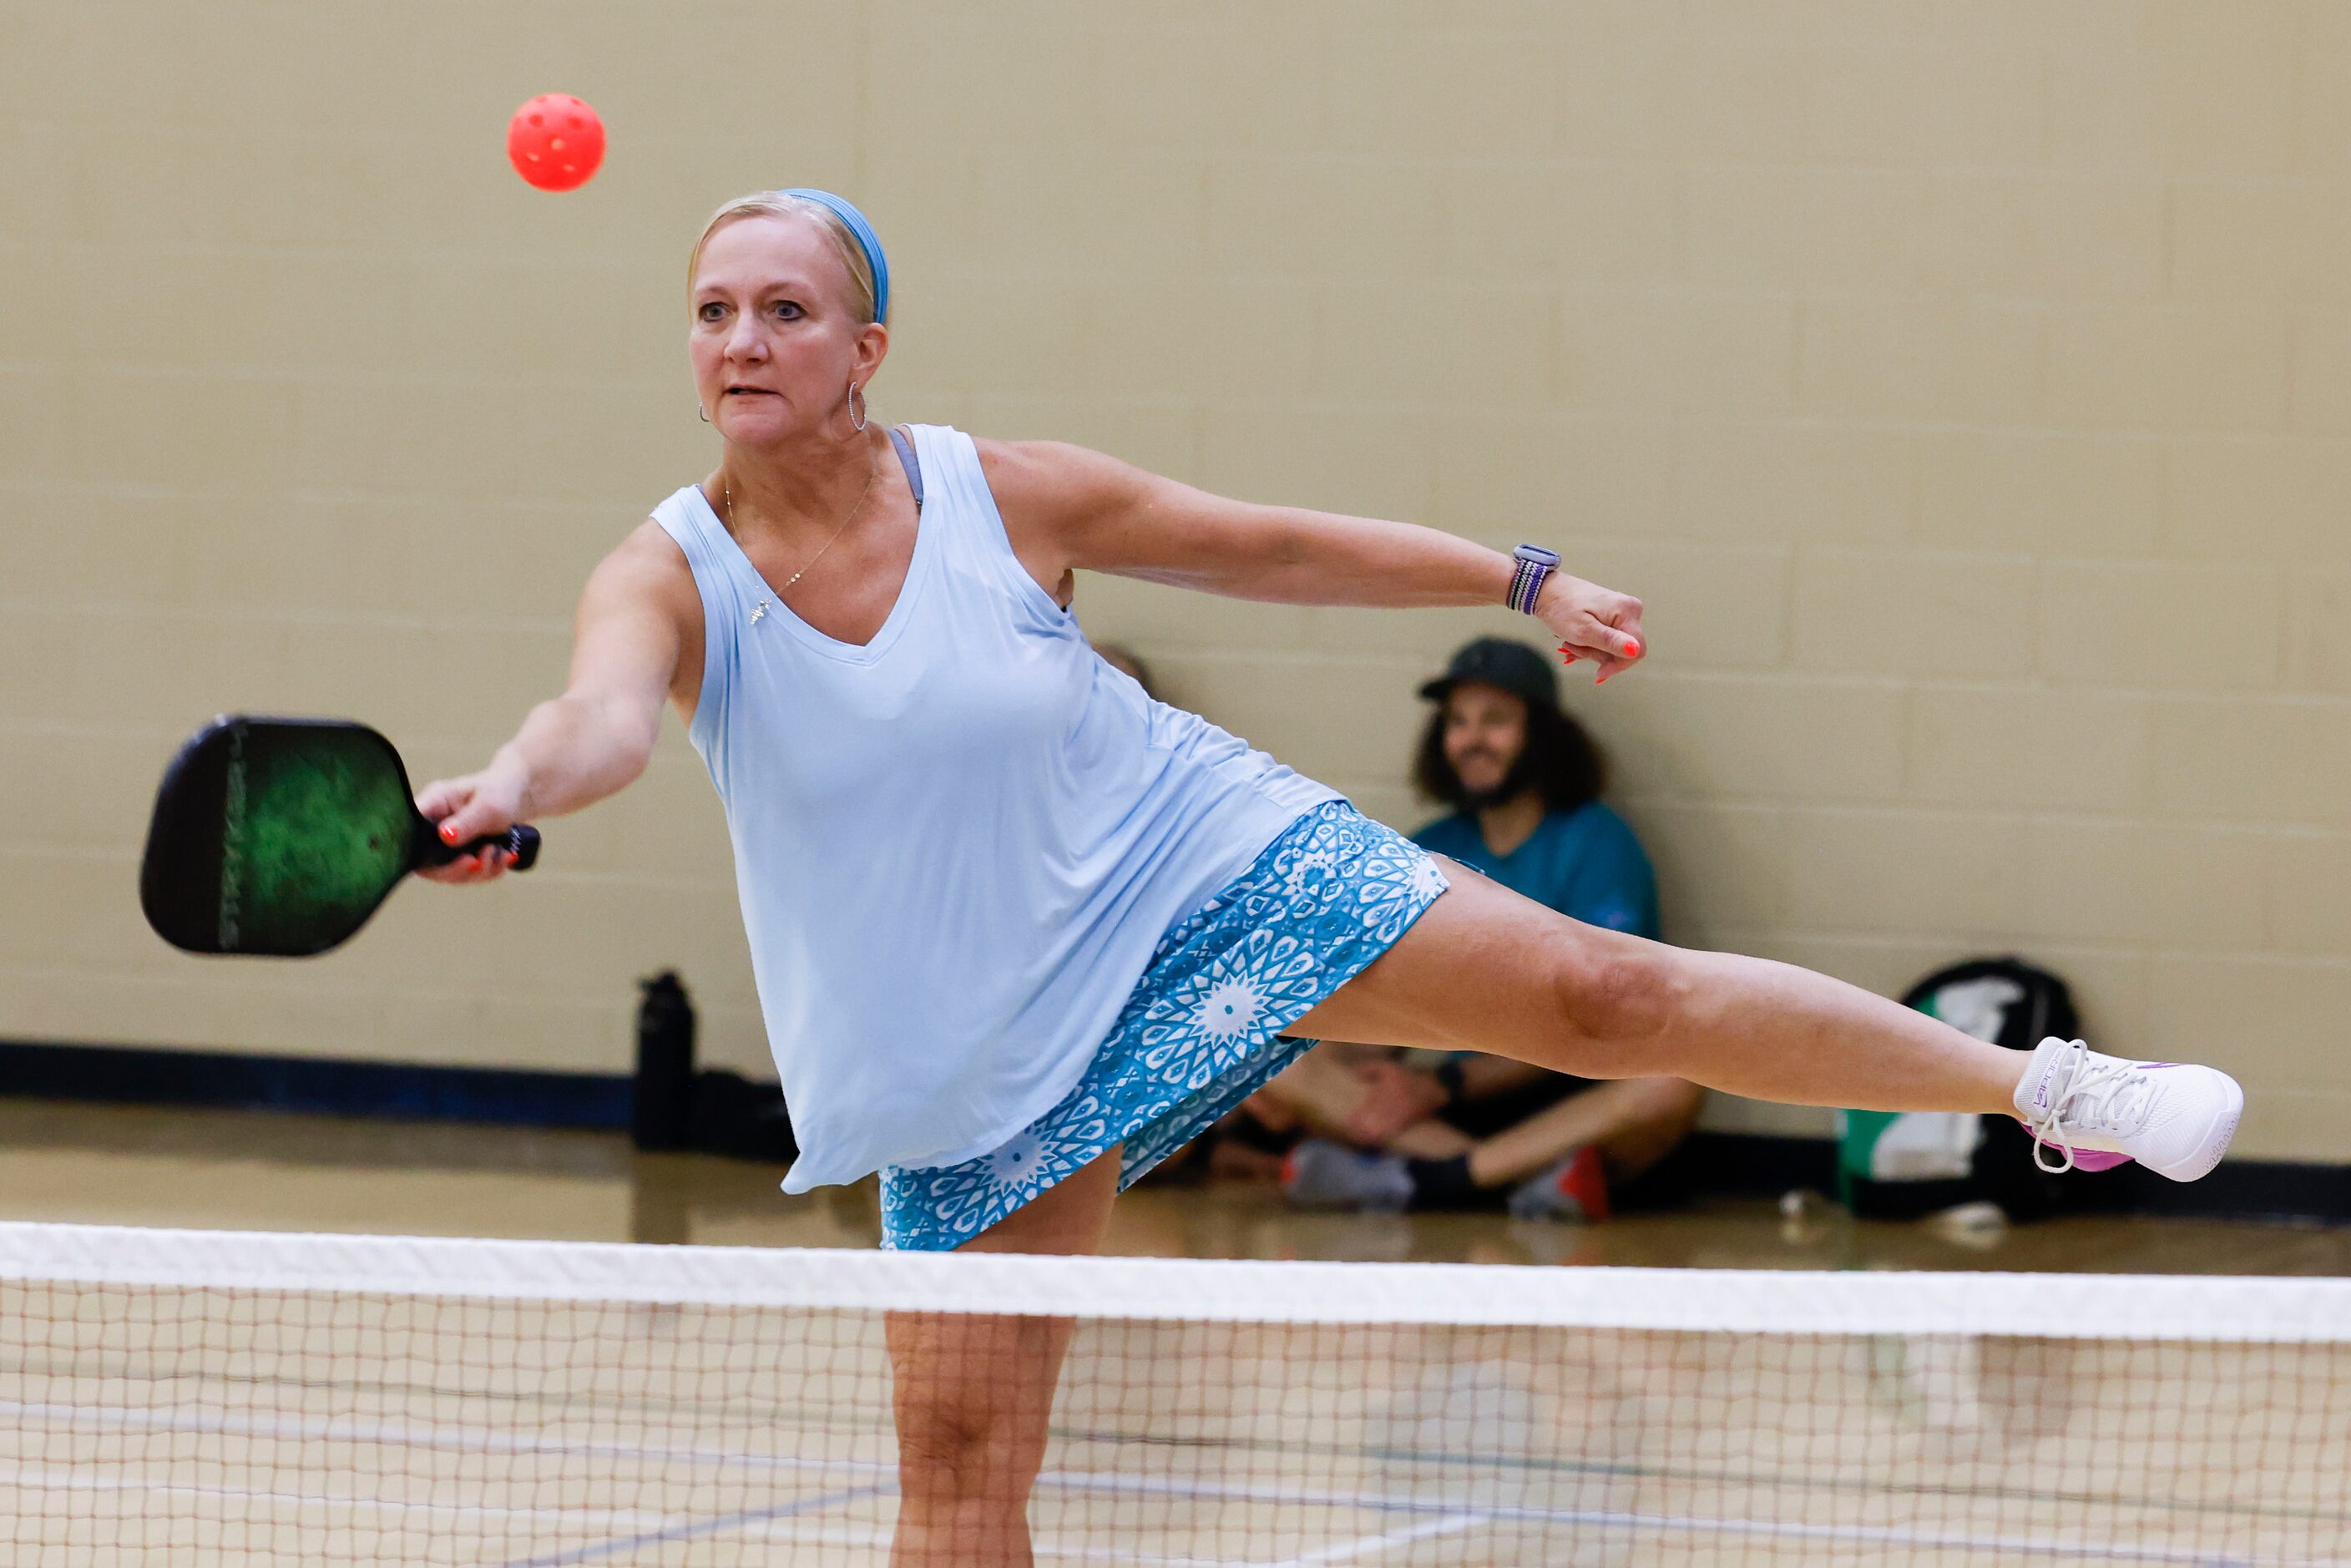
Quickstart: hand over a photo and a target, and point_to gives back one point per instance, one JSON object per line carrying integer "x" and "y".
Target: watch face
{"x": 1537, "y": 554}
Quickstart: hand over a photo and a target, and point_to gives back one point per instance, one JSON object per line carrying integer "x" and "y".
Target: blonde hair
{"x": 777, "y": 204}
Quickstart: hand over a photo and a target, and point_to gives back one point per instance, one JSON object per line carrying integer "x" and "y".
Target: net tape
{"x": 2050, "y": 1306}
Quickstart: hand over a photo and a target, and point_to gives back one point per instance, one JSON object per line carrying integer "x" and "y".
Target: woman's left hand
{"x": 1592, "y": 622}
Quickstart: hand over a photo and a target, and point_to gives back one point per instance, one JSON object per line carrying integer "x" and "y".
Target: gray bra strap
{"x": 909, "y": 462}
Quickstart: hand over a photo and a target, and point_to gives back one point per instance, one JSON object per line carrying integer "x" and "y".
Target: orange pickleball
{"x": 555, "y": 141}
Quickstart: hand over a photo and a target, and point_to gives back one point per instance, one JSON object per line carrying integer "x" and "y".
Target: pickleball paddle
{"x": 280, "y": 837}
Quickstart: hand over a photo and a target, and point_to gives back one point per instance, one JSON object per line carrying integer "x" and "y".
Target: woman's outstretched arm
{"x": 1067, "y": 508}
{"x": 595, "y": 738}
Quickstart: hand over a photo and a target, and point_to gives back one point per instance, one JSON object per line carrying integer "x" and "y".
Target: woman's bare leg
{"x": 973, "y": 1395}
{"x": 1486, "y": 969}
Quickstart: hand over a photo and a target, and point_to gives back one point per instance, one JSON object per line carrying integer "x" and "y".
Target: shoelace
{"x": 2106, "y": 1096}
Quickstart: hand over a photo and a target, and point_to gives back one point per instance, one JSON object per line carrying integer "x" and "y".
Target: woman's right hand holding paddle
{"x": 466, "y": 808}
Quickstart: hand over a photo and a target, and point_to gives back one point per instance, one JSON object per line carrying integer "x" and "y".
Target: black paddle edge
{"x": 180, "y": 869}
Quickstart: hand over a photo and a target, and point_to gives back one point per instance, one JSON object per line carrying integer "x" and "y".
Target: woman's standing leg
{"x": 973, "y": 1395}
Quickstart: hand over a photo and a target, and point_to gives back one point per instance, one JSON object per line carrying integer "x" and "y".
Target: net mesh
{"x": 171, "y": 1397}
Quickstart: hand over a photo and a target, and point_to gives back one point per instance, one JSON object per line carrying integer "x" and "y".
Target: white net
{"x": 173, "y": 1398}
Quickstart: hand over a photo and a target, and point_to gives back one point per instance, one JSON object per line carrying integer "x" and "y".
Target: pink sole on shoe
{"x": 2088, "y": 1159}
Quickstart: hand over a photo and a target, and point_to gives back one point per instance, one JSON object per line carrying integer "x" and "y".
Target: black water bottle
{"x": 664, "y": 1085}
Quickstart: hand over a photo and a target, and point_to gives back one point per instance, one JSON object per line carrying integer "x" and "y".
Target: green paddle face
{"x": 282, "y": 836}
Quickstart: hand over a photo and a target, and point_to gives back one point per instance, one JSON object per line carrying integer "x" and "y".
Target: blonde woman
{"x": 1019, "y": 930}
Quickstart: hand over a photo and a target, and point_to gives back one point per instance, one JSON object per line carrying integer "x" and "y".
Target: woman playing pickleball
{"x": 1020, "y": 931}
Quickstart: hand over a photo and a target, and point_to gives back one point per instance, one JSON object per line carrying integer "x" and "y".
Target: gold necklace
{"x": 871, "y": 468}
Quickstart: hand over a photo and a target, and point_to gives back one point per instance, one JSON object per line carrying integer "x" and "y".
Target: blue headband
{"x": 867, "y": 241}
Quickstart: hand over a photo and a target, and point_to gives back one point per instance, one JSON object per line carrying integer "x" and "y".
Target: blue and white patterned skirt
{"x": 1202, "y": 1031}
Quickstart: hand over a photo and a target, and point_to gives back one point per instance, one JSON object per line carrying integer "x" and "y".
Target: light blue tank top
{"x": 957, "y": 845}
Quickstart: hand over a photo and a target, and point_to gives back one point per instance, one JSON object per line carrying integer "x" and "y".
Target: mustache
{"x": 1516, "y": 777}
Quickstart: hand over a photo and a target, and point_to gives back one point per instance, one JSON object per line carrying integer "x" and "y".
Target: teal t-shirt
{"x": 1585, "y": 864}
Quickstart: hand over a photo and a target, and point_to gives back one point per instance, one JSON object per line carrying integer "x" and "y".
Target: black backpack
{"x": 2008, "y": 1002}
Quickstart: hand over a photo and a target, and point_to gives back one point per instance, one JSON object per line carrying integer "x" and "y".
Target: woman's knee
{"x": 1617, "y": 990}
{"x": 972, "y": 1401}
{"x": 965, "y": 1451}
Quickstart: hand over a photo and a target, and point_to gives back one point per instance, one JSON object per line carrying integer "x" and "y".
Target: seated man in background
{"x": 1446, "y": 1130}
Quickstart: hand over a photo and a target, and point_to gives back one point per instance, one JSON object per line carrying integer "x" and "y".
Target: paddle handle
{"x": 520, "y": 842}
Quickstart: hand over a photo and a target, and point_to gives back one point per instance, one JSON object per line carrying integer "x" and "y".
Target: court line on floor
{"x": 459, "y": 1439}
{"x": 1044, "y": 1548}
{"x": 1553, "y": 1467}
{"x": 1096, "y": 1481}
{"x": 693, "y": 1528}
{"x": 1563, "y": 1470}
{"x": 1349, "y": 1552}
{"x": 66, "y": 1481}
{"x": 1668, "y": 1525}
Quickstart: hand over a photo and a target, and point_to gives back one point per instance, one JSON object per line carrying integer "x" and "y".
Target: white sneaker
{"x": 2172, "y": 1117}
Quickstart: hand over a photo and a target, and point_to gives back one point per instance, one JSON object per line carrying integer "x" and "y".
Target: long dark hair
{"x": 1559, "y": 760}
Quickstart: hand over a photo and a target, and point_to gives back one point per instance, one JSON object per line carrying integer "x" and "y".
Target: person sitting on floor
{"x": 1445, "y": 1130}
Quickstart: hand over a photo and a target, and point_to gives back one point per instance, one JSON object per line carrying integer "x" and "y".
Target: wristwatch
{"x": 1535, "y": 563}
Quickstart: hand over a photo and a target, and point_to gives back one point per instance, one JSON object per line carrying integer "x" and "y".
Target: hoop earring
{"x": 856, "y": 408}
{"x": 703, "y": 412}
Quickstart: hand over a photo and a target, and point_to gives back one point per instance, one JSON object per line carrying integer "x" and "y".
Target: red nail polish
{"x": 449, "y": 831}
{"x": 1632, "y": 649}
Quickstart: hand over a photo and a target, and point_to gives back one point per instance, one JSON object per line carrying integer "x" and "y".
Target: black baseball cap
{"x": 1498, "y": 662}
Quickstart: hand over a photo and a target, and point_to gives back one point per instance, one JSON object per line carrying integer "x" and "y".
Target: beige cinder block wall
{"x": 1967, "y": 388}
